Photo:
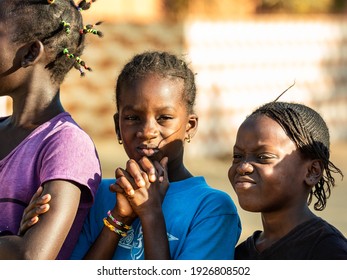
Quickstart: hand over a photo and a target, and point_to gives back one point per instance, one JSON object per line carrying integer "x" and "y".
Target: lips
{"x": 147, "y": 151}
{"x": 244, "y": 183}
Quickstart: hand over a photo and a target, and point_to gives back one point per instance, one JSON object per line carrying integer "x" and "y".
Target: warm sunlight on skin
{"x": 150, "y": 119}
{"x": 264, "y": 172}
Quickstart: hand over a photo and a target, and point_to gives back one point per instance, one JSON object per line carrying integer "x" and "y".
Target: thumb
{"x": 163, "y": 162}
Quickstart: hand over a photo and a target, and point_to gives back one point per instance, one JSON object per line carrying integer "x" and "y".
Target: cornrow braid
{"x": 307, "y": 129}
{"x": 79, "y": 63}
{"x": 56, "y": 24}
{"x": 89, "y": 29}
{"x": 160, "y": 63}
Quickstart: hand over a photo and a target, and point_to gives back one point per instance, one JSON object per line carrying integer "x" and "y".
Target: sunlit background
{"x": 244, "y": 52}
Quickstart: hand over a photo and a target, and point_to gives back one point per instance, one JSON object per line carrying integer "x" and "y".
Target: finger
{"x": 32, "y": 217}
{"x": 116, "y": 189}
{"x": 127, "y": 187}
{"x": 36, "y": 201}
{"x": 148, "y": 167}
{"x": 24, "y": 226}
{"x": 136, "y": 173}
{"x": 119, "y": 172}
{"x": 162, "y": 169}
{"x": 37, "y": 193}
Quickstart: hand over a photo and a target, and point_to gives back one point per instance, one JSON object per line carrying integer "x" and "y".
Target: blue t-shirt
{"x": 201, "y": 222}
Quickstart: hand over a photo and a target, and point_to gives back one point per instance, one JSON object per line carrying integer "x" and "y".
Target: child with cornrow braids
{"x": 160, "y": 210}
{"x": 40, "y": 143}
{"x": 280, "y": 164}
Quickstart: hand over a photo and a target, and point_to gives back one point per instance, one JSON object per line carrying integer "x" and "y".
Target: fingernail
{"x": 152, "y": 177}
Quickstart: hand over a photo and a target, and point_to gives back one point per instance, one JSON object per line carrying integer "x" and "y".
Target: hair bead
{"x": 89, "y": 29}
{"x": 84, "y": 5}
{"x": 66, "y": 27}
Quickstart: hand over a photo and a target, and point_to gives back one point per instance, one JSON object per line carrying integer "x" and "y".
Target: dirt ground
{"x": 215, "y": 172}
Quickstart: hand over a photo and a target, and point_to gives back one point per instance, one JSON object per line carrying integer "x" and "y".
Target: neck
{"x": 32, "y": 110}
{"x": 178, "y": 172}
{"x": 277, "y": 225}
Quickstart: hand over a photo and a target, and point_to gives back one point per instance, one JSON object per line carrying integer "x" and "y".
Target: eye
{"x": 131, "y": 118}
{"x": 266, "y": 157}
{"x": 237, "y": 157}
{"x": 163, "y": 118}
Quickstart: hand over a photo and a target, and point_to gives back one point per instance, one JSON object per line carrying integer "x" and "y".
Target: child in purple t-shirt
{"x": 40, "y": 144}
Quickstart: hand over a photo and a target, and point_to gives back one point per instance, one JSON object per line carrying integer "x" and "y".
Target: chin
{"x": 249, "y": 206}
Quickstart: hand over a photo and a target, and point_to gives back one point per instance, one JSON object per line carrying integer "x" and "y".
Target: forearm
{"x": 104, "y": 246}
{"x": 15, "y": 247}
{"x": 155, "y": 237}
{"x": 11, "y": 248}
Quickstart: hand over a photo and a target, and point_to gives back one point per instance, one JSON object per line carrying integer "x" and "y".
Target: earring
{"x": 188, "y": 139}
{"x": 120, "y": 141}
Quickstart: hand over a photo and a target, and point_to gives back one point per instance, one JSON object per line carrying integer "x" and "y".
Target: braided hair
{"x": 307, "y": 129}
{"x": 163, "y": 64}
{"x": 57, "y": 24}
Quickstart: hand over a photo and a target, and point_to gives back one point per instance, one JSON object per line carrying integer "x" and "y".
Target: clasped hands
{"x": 140, "y": 189}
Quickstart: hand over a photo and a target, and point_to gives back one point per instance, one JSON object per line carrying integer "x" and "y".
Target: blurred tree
{"x": 301, "y": 6}
{"x": 175, "y": 10}
{"x": 178, "y": 10}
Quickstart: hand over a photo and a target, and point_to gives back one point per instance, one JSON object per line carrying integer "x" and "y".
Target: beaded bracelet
{"x": 113, "y": 219}
{"x": 114, "y": 229}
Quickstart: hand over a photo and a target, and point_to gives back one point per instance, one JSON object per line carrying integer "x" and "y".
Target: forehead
{"x": 152, "y": 89}
{"x": 262, "y": 130}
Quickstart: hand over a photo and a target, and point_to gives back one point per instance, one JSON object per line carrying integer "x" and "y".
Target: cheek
{"x": 231, "y": 173}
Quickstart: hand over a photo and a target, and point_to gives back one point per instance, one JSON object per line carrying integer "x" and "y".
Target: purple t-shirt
{"x": 58, "y": 149}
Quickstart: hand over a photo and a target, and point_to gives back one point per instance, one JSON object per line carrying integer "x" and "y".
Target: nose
{"x": 148, "y": 131}
{"x": 244, "y": 168}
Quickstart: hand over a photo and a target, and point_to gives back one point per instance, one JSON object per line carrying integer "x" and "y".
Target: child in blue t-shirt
{"x": 159, "y": 209}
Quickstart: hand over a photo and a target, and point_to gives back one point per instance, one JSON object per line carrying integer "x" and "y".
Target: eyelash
{"x": 160, "y": 118}
{"x": 261, "y": 157}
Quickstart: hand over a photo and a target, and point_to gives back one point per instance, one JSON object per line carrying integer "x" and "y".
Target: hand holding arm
{"x": 38, "y": 205}
{"x": 45, "y": 239}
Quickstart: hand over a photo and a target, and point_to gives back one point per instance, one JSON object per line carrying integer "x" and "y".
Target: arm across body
{"x": 44, "y": 240}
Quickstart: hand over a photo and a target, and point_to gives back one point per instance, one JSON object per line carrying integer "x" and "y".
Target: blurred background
{"x": 245, "y": 53}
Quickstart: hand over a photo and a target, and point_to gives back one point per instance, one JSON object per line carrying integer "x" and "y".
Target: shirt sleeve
{"x": 217, "y": 223}
{"x": 71, "y": 155}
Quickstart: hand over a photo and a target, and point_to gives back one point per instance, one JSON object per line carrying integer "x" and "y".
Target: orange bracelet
{"x": 114, "y": 229}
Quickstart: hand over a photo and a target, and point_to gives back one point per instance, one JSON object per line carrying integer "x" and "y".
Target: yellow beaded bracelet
{"x": 114, "y": 229}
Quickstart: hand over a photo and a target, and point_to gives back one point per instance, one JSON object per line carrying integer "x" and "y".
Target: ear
{"x": 314, "y": 172}
{"x": 32, "y": 54}
{"x": 116, "y": 125}
{"x": 191, "y": 126}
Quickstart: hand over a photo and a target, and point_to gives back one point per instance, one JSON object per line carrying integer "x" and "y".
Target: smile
{"x": 243, "y": 184}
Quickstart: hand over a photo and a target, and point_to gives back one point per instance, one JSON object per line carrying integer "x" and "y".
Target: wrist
{"x": 120, "y": 221}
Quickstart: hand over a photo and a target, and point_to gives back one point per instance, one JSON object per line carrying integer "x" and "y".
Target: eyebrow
{"x": 165, "y": 108}
{"x": 261, "y": 147}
